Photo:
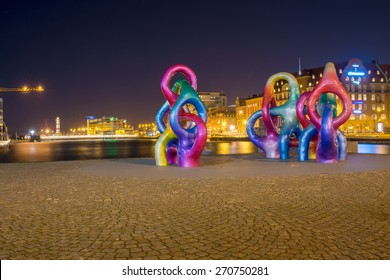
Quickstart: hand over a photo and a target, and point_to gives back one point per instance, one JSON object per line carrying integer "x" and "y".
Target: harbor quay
{"x": 232, "y": 207}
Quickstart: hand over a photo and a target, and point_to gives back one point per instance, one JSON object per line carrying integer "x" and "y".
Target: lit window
{"x": 310, "y": 84}
{"x": 278, "y": 89}
{"x": 347, "y": 78}
{"x": 383, "y": 97}
{"x": 352, "y": 79}
{"x": 359, "y": 96}
{"x": 352, "y": 96}
{"x": 383, "y": 107}
{"x": 274, "y": 90}
{"x": 340, "y": 71}
{"x": 320, "y": 74}
{"x": 353, "y": 106}
{"x": 377, "y": 72}
{"x": 281, "y": 83}
{"x": 277, "y": 83}
{"x": 369, "y": 72}
{"x": 373, "y": 97}
{"x": 364, "y": 96}
{"x": 300, "y": 86}
{"x": 316, "y": 82}
{"x": 360, "y": 107}
{"x": 373, "y": 107}
{"x": 373, "y": 79}
{"x": 382, "y": 80}
{"x": 313, "y": 77}
{"x": 359, "y": 79}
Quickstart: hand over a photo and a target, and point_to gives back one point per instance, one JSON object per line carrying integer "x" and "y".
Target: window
{"x": 352, "y": 96}
{"x": 377, "y": 72}
{"x": 365, "y": 107}
{"x": 352, "y": 79}
{"x": 373, "y": 88}
{"x": 383, "y": 107}
{"x": 321, "y": 75}
{"x": 364, "y": 88}
{"x": 310, "y": 84}
{"x": 347, "y": 79}
{"x": 373, "y": 97}
{"x": 373, "y": 80}
{"x": 369, "y": 72}
{"x": 313, "y": 76}
{"x": 353, "y": 106}
{"x": 382, "y": 88}
{"x": 383, "y": 97}
{"x": 364, "y": 97}
{"x": 382, "y": 80}
{"x": 373, "y": 107}
{"x": 360, "y": 107}
{"x": 359, "y": 96}
{"x": 347, "y": 87}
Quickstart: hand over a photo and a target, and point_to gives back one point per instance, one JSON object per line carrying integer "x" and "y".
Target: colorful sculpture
{"x": 316, "y": 113}
{"x": 184, "y": 135}
{"x": 273, "y": 144}
{"x": 332, "y": 144}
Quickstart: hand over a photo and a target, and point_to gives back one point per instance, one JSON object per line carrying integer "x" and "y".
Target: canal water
{"x": 104, "y": 149}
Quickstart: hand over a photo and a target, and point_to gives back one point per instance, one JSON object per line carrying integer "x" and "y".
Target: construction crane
{"x": 24, "y": 89}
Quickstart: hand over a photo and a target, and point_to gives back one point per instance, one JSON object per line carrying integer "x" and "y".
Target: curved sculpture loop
{"x": 315, "y": 111}
{"x": 273, "y": 144}
{"x": 183, "y": 134}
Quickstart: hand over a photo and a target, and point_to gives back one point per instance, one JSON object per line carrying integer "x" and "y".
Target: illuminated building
{"x": 222, "y": 121}
{"x": 148, "y": 129}
{"x": 213, "y": 99}
{"x": 369, "y": 89}
{"x": 241, "y": 115}
{"x": 108, "y": 126}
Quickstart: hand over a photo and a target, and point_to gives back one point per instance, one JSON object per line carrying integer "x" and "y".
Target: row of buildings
{"x": 368, "y": 85}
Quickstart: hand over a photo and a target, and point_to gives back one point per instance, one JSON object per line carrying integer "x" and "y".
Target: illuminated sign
{"x": 357, "y": 102}
{"x": 90, "y": 117}
{"x": 355, "y": 65}
{"x": 357, "y": 112}
{"x": 356, "y": 82}
{"x": 351, "y": 73}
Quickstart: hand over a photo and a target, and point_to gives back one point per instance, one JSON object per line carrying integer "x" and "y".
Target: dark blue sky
{"x": 108, "y": 57}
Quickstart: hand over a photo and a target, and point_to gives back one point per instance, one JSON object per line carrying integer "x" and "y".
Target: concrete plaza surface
{"x": 232, "y": 207}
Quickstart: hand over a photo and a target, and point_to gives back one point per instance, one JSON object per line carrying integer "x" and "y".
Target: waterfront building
{"x": 108, "y": 126}
{"x": 148, "y": 129}
{"x": 222, "y": 121}
{"x": 241, "y": 115}
{"x": 213, "y": 99}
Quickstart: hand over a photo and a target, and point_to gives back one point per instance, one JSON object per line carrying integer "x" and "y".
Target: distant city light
{"x": 32, "y": 131}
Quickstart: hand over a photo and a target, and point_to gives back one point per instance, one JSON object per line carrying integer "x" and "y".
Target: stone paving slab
{"x": 236, "y": 207}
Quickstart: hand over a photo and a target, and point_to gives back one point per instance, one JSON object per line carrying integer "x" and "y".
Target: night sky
{"x": 105, "y": 58}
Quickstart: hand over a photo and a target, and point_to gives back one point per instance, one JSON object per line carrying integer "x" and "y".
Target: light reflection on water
{"x": 381, "y": 149}
{"x": 84, "y": 150}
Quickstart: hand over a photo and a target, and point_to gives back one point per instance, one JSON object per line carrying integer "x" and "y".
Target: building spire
{"x": 299, "y": 67}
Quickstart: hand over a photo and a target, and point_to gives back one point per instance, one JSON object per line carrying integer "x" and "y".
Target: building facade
{"x": 108, "y": 126}
{"x": 213, "y": 99}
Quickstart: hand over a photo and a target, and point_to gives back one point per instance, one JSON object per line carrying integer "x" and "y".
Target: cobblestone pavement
{"x": 59, "y": 211}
